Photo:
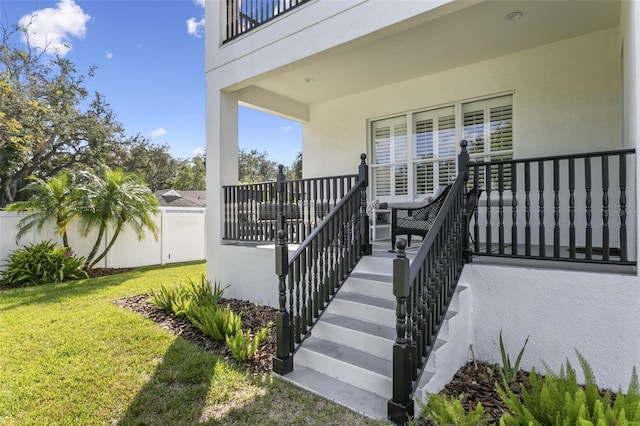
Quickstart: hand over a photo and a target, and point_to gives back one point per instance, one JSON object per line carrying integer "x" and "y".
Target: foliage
{"x": 51, "y": 200}
{"x": 48, "y": 120}
{"x": 295, "y": 172}
{"x": 152, "y": 163}
{"x": 243, "y": 346}
{"x": 41, "y": 263}
{"x": 203, "y": 293}
{"x": 558, "y": 399}
{"x": 191, "y": 174}
{"x": 254, "y": 166}
{"x": 215, "y": 322}
{"x": 114, "y": 197}
{"x": 172, "y": 299}
{"x": 447, "y": 410}
{"x": 508, "y": 372}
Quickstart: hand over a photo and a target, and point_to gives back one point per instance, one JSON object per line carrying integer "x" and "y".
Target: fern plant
{"x": 561, "y": 400}
{"x": 243, "y": 346}
{"x": 445, "y": 410}
{"x": 215, "y": 322}
{"x": 508, "y": 372}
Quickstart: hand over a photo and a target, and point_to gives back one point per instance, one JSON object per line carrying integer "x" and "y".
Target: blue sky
{"x": 149, "y": 56}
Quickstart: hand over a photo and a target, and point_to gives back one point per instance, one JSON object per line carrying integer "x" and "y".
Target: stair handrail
{"x": 318, "y": 267}
{"x": 424, "y": 289}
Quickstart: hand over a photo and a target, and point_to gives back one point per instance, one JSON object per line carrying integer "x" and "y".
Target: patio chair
{"x": 412, "y": 219}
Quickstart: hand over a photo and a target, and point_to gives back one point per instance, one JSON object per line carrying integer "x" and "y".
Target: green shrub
{"x": 178, "y": 299}
{"x": 41, "y": 263}
{"x": 560, "y": 400}
{"x": 175, "y": 299}
{"x": 445, "y": 410}
{"x": 215, "y": 322}
{"x": 508, "y": 372}
{"x": 243, "y": 346}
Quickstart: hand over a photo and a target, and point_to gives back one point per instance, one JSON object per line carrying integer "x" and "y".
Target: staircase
{"x": 348, "y": 357}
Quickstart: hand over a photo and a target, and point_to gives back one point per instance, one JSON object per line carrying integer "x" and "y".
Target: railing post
{"x": 363, "y": 175}
{"x": 400, "y": 407}
{"x": 463, "y": 167}
{"x": 283, "y": 361}
{"x": 280, "y": 199}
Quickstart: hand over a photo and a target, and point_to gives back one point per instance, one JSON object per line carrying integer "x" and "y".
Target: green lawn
{"x": 70, "y": 356}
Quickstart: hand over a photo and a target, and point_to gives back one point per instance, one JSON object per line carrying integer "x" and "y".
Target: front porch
{"x": 352, "y": 312}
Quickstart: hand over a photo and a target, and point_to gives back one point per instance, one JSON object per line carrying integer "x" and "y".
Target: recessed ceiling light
{"x": 513, "y": 16}
{"x": 309, "y": 80}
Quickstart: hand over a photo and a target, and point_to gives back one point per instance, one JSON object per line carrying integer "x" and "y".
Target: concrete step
{"x": 345, "y": 394}
{"x": 353, "y": 366}
{"x": 377, "y": 339}
{"x": 370, "y": 284}
{"x": 364, "y": 307}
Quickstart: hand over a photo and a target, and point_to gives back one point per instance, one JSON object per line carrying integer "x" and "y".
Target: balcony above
{"x": 243, "y": 16}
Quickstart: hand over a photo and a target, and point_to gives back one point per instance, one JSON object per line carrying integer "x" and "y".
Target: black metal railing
{"x": 423, "y": 290}
{"x": 311, "y": 276}
{"x": 244, "y": 15}
{"x": 569, "y": 207}
{"x": 250, "y": 211}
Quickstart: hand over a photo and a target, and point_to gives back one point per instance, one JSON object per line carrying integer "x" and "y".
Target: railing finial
{"x": 363, "y": 158}
{"x": 463, "y": 145}
{"x": 401, "y": 245}
{"x": 281, "y": 168}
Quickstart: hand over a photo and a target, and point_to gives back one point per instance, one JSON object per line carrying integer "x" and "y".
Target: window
{"x": 412, "y": 165}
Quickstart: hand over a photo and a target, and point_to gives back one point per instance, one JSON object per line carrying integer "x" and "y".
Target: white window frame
{"x": 506, "y": 98}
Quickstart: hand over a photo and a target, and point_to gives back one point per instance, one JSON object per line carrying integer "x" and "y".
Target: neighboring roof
{"x": 173, "y": 198}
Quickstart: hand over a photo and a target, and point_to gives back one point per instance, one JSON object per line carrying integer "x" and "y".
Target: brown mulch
{"x": 254, "y": 317}
{"x": 103, "y": 272}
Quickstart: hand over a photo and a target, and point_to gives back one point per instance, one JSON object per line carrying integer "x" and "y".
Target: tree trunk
{"x": 88, "y": 262}
{"x": 111, "y": 242}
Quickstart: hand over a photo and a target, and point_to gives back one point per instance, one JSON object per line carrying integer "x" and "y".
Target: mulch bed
{"x": 254, "y": 317}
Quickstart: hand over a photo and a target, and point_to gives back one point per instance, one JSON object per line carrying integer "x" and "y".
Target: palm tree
{"x": 51, "y": 199}
{"x": 117, "y": 197}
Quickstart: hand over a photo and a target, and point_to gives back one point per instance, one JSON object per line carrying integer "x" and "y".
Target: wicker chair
{"x": 415, "y": 220}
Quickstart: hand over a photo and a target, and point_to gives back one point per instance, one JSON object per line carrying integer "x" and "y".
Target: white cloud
{"x": 51, "y": 28}
{"x": 197, "y": 151}
{"x": 287, "y": 128}
{"x": 109, "y": 55}
{"x": 159, "y": 132}
{"x": 195, "y": 28}
{"x": 199, "y": 2}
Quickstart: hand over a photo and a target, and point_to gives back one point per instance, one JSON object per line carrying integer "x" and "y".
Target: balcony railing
{"x": 569, "y": 208}
{"x": 244, "y": 15}
{"x": 250, "y": 211}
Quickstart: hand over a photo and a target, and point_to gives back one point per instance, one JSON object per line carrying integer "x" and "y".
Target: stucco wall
{"x": 566, "y": 99}
{"x": 560, "y": 311}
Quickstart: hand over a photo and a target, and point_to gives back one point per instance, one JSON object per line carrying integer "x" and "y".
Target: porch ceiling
{"x": 477, "y": 32}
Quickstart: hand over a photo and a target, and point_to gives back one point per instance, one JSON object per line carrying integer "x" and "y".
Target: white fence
{"x": 181, "y": 238}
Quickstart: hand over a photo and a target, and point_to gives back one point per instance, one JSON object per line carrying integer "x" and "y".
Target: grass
{"x": 70, "y": 356}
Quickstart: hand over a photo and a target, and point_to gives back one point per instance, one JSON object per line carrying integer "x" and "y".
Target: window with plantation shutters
{"x": 416, "y": 153}
{"x": 488, "y": 127}
{"x": 390, "y": 146}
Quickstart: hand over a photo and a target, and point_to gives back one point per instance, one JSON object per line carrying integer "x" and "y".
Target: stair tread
{"x": 354, "y": 398}
{"x": 360, "y": 325}
{"x": 366, "y": 300}
{"x": 372, "y": 277}
{"x": 349, "y": 355}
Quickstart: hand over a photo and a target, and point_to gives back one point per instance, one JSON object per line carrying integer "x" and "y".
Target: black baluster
{"x": 623, "y": 207}
{"x": 514, "y": 209}
{"x": 605, "y": 207}
{"x": 476, "y": 227}
{"x": 500, "y": 208}
{"x": 541, "y": 231}
{"x": 527, "y": 208}
{"x": 572, "y": 209}
{"x": 487, "y": 180}
{"x": 587, "y": 186}
{"x": 297, "y": 318}
{"x": 556, "y": 208}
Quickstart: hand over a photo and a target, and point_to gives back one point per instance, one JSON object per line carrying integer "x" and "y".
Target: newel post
{"x": 363, "y": 175}
{"x": 400, "y": 406}
{"x": 282, "y": 361}
{"x": 463, "y": 167}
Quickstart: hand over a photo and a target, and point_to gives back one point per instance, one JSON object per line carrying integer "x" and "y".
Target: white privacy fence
{"x": 181, "y": 238}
